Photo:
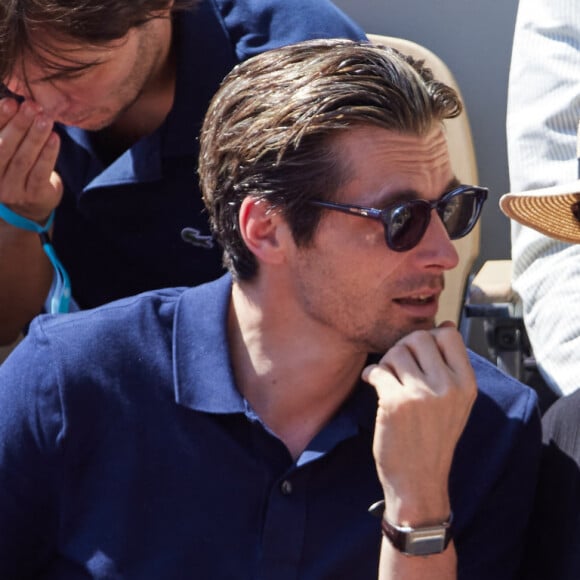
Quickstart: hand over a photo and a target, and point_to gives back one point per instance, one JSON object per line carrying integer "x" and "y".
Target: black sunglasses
{"x": 406, "y": 222}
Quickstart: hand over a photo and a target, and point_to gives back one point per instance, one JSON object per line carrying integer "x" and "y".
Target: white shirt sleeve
{"x": 542, "y": 120}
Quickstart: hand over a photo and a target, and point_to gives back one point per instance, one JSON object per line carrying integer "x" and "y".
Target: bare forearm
{"x": 26, "y": 275}
{"x": 426, "y": 388}
{"x": 432, "y": 510}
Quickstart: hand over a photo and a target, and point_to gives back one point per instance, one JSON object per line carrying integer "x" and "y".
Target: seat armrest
{"x": 492, "y": 284}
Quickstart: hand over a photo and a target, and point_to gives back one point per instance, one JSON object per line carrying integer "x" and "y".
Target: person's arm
{"x": 542, "y": 120}
{"x": 426, "y": 388}
{"x": 259, "y": 26}
{"x": 30, "y": 188}
{"x": 26, "y": 275}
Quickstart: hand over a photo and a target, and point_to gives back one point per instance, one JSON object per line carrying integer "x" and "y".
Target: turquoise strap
{"x": 61, "y": 296}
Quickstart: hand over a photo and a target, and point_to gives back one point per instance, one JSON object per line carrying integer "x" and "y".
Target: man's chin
{"x": 394, "y": 337}
{"x": 88, "y": 123}
{"x": 424, "y": 324}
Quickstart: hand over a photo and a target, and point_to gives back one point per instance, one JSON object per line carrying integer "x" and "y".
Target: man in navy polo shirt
{"x": 243, "y": 428}
{"x": 115, "y": 93}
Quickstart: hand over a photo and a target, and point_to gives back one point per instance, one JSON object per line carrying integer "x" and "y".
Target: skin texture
{"x": 126, "y": 93}
{"x": 345, "y": 295}
{"x": 393, "y": 308}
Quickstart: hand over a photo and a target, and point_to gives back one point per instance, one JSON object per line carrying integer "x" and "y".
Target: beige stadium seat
{"x": 463, "y": 162}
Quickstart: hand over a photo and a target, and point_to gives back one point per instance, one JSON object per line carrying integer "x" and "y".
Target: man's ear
{"x": 262, "y": 229}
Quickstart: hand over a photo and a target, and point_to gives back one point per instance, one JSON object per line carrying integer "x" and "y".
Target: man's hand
{"x": 426, "y": 388}
{"x": 28, "y": 152}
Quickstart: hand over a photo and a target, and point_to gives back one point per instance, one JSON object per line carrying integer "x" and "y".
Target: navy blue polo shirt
{"x": 139, "y": 223}
{"x": 127, "y": 452}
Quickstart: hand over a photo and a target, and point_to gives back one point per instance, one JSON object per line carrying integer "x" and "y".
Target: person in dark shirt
{"x": 256, "y": 426}
{"x": 114, "y": 93}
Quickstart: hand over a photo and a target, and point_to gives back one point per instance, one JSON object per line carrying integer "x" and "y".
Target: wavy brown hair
{"x": 269, "y": 129}
{"x": 90, "y": 22}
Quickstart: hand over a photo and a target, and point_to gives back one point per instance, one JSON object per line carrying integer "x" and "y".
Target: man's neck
{"x": 293, "y": 378}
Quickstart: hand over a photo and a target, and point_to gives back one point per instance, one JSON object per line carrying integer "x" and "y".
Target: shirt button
{"x": 286, "y": 487}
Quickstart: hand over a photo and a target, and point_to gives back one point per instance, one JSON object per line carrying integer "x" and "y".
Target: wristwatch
{"x": 420, "y": 541}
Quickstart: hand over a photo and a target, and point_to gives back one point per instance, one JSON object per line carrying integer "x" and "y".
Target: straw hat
{"x": 553, "y": 211}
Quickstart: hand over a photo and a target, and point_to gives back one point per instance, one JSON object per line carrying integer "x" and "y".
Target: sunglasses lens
{"x": 406, "y": 225}
{"x": 459, "y": 213}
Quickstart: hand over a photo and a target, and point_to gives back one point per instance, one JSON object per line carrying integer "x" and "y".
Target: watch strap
{"x": 418, "y": 541}
{"x": 61, "y": 294}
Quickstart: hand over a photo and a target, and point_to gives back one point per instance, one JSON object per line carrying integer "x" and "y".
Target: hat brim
{"x": 548, "y": 211}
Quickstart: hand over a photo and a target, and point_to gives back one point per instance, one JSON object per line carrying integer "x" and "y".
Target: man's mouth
{"x": 419, "y": 300}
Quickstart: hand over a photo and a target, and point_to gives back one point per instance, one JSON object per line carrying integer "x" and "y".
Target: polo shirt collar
{"x": 203, "y": 376}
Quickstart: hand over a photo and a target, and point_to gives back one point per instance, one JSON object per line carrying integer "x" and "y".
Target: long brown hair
{"x": 90, "y": 22}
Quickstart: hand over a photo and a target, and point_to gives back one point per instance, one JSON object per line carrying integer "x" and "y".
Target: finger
{"x": 380, "y": 377}
{"x": 13, "y": 126}
{"x": 424, "y": 349}
{"x": 428, "y": 366}
{"x": 452, "y": 348}
{"x": 403, "y": 361}
{"x": 16, "y": 154}
{"x": 398, "y": 377}
{"x": 8, "y": 108}
{"x": 459, "y": 371}
{"x": 43, "y": 167}
{"x": 28, "y": 151}
{"x": 441, "y": 345}
{"x": 17, "y": 127}
{"x": 43, "y": 186}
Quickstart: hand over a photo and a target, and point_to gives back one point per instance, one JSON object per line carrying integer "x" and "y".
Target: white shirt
{"x": 542, "y": 120}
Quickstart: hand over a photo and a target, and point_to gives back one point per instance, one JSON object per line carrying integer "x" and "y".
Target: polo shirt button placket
{"x": 286, "y": 487}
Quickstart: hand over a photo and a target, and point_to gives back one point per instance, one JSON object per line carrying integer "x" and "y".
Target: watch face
{"x": 418, "y": 541}
{"x": 425, "y": 541}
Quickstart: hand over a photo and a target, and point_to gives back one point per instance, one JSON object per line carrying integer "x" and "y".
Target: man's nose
{"x": 436, "y": 247}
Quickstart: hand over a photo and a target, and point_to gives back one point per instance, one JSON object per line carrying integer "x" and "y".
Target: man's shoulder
{"x": 258, "y": 25}
{"x": 504, "y": 392}
{"x": 134, "y": 318}
{"x": 154, "y": 305}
